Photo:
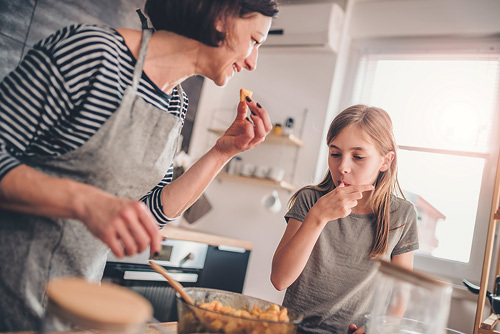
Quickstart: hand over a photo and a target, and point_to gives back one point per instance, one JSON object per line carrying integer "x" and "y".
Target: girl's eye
{"x": 255, "y": 42}
{"x": 335, "y": 155}
{"x": 357, "y": 157}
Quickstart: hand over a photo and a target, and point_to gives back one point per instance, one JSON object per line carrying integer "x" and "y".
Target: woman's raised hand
{"x": 339, "y": 202}
{"x": 245, "y": 133}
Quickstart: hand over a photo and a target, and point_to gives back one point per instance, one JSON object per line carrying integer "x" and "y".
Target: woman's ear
{"x": 387, "y": 161}
{"x": 220, "y": 25}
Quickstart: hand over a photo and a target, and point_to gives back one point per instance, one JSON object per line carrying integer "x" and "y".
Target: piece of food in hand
{"x": 244, "y": 93}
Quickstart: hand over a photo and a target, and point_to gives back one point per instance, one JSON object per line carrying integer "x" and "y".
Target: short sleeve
{"x": 409, "y": 238}
{"x": 304, "y": 201}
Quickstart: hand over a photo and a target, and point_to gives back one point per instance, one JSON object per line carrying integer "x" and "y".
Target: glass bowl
{"x": 194, "y": 319}
{"x": 389, "y": 325}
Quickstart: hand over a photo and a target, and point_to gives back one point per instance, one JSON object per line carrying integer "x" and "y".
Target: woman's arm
{"x": 126, "y": 226}
{"x": 240, "y": 136}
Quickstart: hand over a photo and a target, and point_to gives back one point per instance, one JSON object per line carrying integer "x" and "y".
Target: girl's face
{"x": 240, "y": 50}
{"x": 354, "y": 159}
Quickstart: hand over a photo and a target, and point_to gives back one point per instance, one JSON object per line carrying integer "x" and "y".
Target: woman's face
{"x": 240, "y": 50}
{"x": 354, "y": 159}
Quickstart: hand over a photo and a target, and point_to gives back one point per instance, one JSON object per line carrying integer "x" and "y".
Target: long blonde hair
{"x": 378, "y": 125}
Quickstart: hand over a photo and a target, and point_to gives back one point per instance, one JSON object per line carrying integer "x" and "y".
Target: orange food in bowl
{"x": 218, "y": 311}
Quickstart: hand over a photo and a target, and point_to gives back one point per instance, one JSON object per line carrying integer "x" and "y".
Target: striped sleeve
{"x": 33, "y": 98}
{"x": 153, "y": 199}
{"x": 64, "y": 90}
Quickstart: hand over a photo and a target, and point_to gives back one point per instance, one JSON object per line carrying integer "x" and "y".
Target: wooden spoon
{"x": 176, "y": 285}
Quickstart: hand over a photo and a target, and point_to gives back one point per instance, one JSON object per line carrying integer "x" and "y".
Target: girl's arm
{"x": 240, "y": 136}
{"x": 403, "y": 260}
{"x": 294, "y": 250}
{"x": 299, "y": 239}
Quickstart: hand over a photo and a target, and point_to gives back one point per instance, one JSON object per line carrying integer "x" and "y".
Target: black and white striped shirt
{"x": 64, "y": 90}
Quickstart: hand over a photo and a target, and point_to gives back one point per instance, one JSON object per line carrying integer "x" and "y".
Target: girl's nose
{"x": 344, "y": 167}
{"x": 251, "y": 60}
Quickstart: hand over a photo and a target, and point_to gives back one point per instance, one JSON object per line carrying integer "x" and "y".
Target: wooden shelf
{"x": 272, "y": 138}
{"x": 481, "y": 325}
{"x": 270, "y": 182}
{"x": 488, "y": 325}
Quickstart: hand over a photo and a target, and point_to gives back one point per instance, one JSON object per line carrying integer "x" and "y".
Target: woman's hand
{"x": 339, "y": 202}
{"x": 126, "y": 226}
{"x": 242, "y": 134}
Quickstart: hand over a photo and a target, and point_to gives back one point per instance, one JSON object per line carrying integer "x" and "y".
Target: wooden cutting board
{"x": 150, "y": 329}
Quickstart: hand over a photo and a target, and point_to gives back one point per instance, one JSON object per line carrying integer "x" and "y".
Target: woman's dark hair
{"x": 197, "y": 19}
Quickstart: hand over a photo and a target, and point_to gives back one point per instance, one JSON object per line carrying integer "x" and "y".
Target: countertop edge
{"x": 180, "y": 233}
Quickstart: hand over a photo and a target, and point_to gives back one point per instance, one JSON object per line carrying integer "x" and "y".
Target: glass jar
{"x": 105, "y": 308}
{"x": 406, "y": 301}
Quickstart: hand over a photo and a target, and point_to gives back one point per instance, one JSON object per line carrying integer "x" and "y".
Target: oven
{"x": 193, "y": 264}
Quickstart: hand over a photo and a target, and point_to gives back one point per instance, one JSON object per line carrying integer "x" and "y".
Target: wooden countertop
{"x": 181, "y": 233}
{"x": 170, "y": 328}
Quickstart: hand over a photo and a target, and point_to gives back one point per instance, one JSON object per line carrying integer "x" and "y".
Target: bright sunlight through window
{"x": 443, "y": 109}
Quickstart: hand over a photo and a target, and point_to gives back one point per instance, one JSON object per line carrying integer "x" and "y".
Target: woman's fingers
{"x": 261, "y": 121}
{"x": 131, "y": 231}
{"x": 257, "y": 112}
{"x": 126, "y": 237}
{"x": 134, "y": 224}
{"x": 151, "y": 228}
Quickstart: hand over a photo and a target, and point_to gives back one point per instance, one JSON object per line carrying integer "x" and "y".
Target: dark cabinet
{"x": 225, "y": 268}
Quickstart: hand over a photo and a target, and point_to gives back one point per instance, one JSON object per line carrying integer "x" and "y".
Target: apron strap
{"x": 146, "y": 35}
{"x": 181, "y": 96}
{"x": 144, "y": 20}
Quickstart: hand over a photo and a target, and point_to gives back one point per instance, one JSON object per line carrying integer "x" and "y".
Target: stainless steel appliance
{"x": 193, "y": 264}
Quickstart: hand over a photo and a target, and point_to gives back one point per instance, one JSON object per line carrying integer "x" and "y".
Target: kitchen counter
{"x": 170, "y": 327}
{"x": 181, "y": 233}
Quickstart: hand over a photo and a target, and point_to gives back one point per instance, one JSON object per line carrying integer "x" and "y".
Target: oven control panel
{"x": 174, "y": 253}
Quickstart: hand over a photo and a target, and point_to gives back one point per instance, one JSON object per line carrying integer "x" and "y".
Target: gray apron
{"x": 127, "y": 157}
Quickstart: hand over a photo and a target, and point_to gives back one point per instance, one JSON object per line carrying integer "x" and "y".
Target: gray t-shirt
{"x": 335, "y": 287}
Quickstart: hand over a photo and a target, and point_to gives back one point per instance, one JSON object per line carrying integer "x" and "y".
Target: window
{"x": 443, "y": 99}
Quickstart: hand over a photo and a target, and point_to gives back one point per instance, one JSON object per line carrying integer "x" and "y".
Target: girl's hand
{"x": 126, "y": 226}
{"x": 353, "y": 329}
{"x": 339, "y": 202}
{"x": 242, "y": 134}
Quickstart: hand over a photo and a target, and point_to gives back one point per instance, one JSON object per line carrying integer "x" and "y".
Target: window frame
{"x": 452, "y": 270}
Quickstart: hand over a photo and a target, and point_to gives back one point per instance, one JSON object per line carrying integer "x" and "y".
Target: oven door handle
{"x": 152, "y": 276}
{"x": 233, "y": 249}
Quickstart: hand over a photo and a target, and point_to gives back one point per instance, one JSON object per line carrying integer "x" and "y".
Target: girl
{"x": 336, "y": 228}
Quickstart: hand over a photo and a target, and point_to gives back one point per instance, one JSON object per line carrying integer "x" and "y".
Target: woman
{"x": 89, "y": 123}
